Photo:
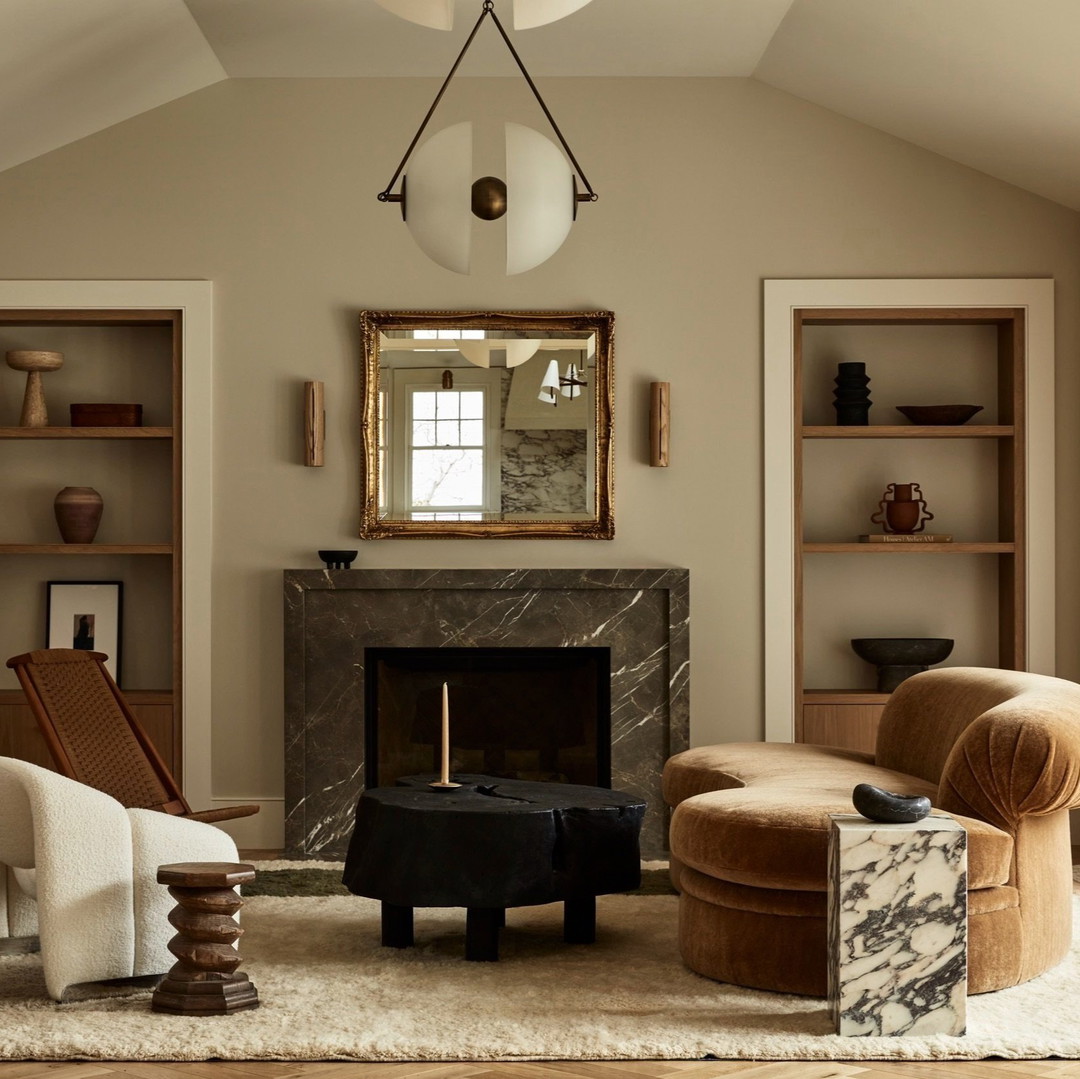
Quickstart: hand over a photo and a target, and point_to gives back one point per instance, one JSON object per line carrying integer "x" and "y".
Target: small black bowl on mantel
{"x": 897, "y": 658}
{"x": 338, "y": 559}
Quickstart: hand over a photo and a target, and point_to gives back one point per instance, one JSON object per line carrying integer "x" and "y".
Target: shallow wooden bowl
{"x": 22, "y": 359}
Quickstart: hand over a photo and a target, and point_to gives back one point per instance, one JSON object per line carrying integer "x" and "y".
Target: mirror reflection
{"x": 487, "y": 424}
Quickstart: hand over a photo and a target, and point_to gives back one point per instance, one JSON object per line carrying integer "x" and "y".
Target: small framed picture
{"x": 86, "y": 614}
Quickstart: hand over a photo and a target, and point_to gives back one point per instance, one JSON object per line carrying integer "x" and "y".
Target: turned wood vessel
{"x": 34, "y": 362}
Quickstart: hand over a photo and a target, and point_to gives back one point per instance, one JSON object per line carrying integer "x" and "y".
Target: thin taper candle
{"x": 444, "y": 775}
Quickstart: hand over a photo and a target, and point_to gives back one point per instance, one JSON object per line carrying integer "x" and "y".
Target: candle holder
{"x": 435, "y": 785}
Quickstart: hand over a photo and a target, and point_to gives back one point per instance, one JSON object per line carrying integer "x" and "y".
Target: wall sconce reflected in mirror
{"x": 659, "y": 423}
{"x": 549, "y": 384}
{"x": 553, "y": 384}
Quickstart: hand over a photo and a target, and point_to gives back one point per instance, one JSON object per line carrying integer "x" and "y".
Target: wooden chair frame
{"x": 174, "y": 801}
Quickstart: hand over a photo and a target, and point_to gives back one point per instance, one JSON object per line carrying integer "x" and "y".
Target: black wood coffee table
{"x": 492, "y": 844}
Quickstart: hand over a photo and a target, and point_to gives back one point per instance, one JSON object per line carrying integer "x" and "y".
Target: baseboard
{"x": 264, "y": 831}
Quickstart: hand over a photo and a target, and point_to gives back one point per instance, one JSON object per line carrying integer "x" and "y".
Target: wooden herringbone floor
{"x": 974, "y": 1069}
{"x": 648, "y": 1069}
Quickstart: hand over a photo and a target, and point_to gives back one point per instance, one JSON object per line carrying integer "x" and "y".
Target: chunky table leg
{"x": 397, "y": 926}
{"x": 579, "y": 919}
{"x": 482, "y": 933}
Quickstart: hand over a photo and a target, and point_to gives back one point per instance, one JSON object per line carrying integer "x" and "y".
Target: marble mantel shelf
{"x": 331, "y": 616}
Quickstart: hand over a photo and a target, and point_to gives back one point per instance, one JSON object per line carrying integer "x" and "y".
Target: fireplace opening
{"x": 540, "y": 714}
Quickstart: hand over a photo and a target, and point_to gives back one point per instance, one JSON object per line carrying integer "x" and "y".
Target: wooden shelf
{"x": 132, "y": 696}
{"x": 86, "y": 432}
{"x": 86, "y": 548}
{"x": 843, "y": 696}
{"x": 908, "y": 431}
{"x": 909, "y": 548}
{"x": 140, "y": 469}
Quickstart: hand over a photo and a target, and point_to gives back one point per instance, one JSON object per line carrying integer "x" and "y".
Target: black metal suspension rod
{"x": 488, "y": 10}
{"x": 385, "y": 196}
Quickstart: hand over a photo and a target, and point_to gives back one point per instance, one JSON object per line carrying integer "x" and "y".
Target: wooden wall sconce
{"x": 659, "y": 423}
{"x": 314, "y": 424}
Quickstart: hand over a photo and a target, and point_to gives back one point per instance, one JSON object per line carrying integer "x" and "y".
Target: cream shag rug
{"x": 330, "y": 992}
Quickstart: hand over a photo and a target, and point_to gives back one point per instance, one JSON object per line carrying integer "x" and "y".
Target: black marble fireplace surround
{"x": 332, "y": 616}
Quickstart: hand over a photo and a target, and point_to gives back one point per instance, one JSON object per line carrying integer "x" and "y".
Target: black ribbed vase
{"x": 852, "y": 396}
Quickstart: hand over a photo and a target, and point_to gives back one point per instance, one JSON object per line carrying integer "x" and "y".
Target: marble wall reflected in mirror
{"x": 487, "y": 424}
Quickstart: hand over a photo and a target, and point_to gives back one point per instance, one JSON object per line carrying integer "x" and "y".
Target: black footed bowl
{"x": 902, "y": 651}
{"x": 338, "y": 559}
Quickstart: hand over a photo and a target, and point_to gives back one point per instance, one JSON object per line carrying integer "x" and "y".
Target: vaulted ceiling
{"x": 992, "y": 84}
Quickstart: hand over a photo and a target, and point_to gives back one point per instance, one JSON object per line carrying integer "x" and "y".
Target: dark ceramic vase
{"x": 852, "y": 397}
{"x": 78, "y": 514}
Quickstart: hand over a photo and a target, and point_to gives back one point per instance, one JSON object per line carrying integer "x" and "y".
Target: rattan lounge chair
{"x": 94, "y": 737}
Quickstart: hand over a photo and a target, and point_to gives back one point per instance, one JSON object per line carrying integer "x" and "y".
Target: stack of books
{"x": 907, "y": 537}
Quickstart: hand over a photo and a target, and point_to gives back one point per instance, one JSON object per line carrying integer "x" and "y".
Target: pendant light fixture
{"x": 439, "y": 198}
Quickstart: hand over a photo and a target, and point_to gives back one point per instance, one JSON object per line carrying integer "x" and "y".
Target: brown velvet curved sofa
{"x": 998, "y": 750}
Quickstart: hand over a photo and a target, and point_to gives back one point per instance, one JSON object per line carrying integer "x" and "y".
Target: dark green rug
{"x": 309, "y": 882}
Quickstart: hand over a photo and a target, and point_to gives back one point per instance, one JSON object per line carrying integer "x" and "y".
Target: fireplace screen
{"x": 541, "y": 714}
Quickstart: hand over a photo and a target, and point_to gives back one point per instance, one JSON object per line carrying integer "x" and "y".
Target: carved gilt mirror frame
{"x": 459, "y": 443}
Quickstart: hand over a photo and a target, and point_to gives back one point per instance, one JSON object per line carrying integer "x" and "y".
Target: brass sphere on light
{"x": 489, "y": 198}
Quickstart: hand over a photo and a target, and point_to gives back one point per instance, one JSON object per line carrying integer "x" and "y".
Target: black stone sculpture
{"x": 880, "y": 805}
{"x": 852, "y": 397}
{"x": 338, "y": 559}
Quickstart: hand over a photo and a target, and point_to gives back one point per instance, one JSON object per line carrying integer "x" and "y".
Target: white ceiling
{"x": 990, "y": 83}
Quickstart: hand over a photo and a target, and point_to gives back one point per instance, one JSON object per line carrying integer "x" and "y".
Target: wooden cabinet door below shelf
{"x": 851, "y": 726}
{"x": 21, "y": 739}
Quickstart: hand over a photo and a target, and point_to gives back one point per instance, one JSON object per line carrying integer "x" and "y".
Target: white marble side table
{"x": 897, "y": 926}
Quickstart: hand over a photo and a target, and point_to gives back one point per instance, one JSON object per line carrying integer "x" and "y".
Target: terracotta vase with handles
{"x": 905, "y": 512}
{"x": 78, "y": 514}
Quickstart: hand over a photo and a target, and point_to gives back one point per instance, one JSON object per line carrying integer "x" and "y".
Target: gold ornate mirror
{"x": 487, "y": 424}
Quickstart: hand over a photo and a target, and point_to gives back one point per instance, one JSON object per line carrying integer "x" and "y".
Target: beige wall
{"x": 267, "y": 187}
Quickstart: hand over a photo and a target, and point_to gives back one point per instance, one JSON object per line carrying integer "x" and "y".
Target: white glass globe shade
{"x": 539, "y": 198}
{"x": 520, "y": 351}
{"x": 438, "y": 192}
{"x": 530, "y": 13}
{"x": 439, "y": 14}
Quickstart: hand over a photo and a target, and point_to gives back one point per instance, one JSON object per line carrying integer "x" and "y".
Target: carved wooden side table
{"x": 204, "y": 980}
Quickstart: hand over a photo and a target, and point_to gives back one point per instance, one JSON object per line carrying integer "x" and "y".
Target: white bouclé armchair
{"x": 81, "y": 873}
